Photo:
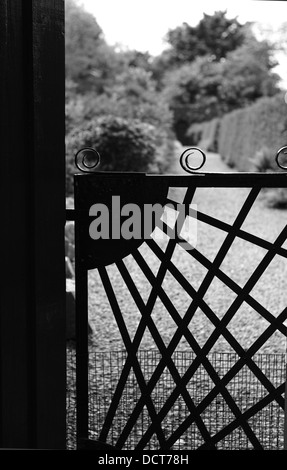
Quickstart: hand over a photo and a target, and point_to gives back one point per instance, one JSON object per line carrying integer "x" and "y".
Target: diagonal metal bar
{"x": 246, "y": 415}
{"x": 135, "y": 344}
{"x": 246, "y": 289}
{"x": 169, "y": 363}
{"x": 149, "y": 307}
{"x": 244, "y": 360}
{"x": 233, "y": 308}
{"x": 276, "y": 322}
{"x": 250, "y": 283}
{"x": 208, "y": 312}
{"x": 237, "y": 289}
{"x": 135, "y": 364}
{"x": 222, "y": 276}
{"x": 194, "y": 345}
{"x": 243, "y": 234}
{"x": 217, "y": 261}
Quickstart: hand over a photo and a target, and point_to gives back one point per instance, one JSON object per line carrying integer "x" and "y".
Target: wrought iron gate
{"x": 164, "y": 387}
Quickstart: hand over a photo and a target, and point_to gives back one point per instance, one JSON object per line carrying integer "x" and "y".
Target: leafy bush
{"x": 124, "y": 145}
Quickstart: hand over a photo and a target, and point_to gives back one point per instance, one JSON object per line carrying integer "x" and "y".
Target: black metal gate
{"x": 176, "y": 395}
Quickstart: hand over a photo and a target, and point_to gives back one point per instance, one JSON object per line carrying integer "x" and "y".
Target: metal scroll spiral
{"x": 192, "y": 152}
{"x": 282, "y": 151}
{"x": 87, "y": 159}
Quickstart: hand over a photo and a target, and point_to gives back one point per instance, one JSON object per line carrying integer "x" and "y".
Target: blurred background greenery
{"x": 214, "y": 86}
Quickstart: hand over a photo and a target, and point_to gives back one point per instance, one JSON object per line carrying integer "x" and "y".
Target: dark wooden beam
{"x": 32, "y": 146}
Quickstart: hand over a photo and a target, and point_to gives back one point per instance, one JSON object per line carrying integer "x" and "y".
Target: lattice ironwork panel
{"x": 196, "y": 305}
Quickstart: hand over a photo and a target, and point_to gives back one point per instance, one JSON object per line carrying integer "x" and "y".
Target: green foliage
{"x": 204, "y": 89}
{"x": 215, "y": 35}
{"x": 192, "y": 92}
{"x": 137, "y": 59}
{"x": 243, "y": 132}
{"x": 102, "y": 82}
{"x": 211, "y": 69}
{"x": 247, "y": 75}
{"x": 132, "y": 97}
{"x": 124, "y": 145}
{"x": 90, "y": 62}
{"x": 82, "y": 36}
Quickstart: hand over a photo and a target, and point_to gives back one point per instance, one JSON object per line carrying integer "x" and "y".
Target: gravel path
{"x": 241, "y": 260}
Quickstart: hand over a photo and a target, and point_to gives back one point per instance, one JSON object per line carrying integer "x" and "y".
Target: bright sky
{"x": 142, "y": 25}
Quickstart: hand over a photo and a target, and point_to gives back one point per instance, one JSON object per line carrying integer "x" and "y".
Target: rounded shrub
{"x": 123, "y": 145}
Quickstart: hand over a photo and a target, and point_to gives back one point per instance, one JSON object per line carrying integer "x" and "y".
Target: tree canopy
{"x": 207, "y": 70}
{"x": 213, "y": 68}
{"x": 90, "y": 62}
{"x": 215, "y": 35}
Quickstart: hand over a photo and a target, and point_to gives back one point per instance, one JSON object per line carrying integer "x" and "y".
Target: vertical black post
{"x": 32, "y": 146}
{"x": 82, "y": 353}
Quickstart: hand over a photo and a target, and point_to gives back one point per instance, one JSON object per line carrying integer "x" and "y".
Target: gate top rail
{"x": 87, "y": 160}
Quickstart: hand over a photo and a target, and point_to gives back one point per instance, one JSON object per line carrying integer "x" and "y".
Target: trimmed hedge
{"x": 246, "y": 131}
{"x": 242, "y": 135}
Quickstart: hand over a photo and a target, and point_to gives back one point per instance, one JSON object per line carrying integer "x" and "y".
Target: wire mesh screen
{"x": 266, "y": 417}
